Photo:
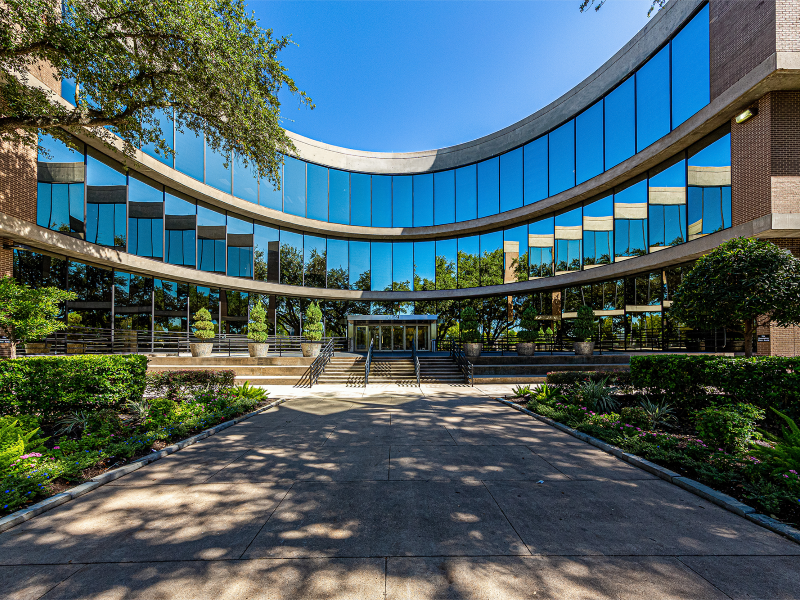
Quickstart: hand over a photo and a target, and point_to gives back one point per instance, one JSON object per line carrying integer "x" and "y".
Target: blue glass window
{"x": 189, "y": 153}
{"x": 446, "y": 261}
{"x": 667, "y": 200}
{"x": 266, "y": 253}
{"x": 598, "y": 232}
{"x": 381, "y": 266}
{"x": 68, "y": 90}
{"x": 568, "y": 234}
{"x": 444, "y": 195}
{"x": 240, "y": 247}
{"x": 59, "y": 207}
{"x": 492, "y": 265}
{"x": 360, "y": 200}
{"x": 381, "y": 201}
{"x": 541, "y": 242}
{"x": 315, "y": 265}
{"x": 562, "y": 158}
{"x": 466, "y": 193}
{"x": 294, "y": 182}
{"x": 339, "y": 210}
{"x": 691, "y": 70}
{"x": 402, "y": 201}
{"x": 709, "y": 181}
{"x": 630, "y": 213}
{"x": 511, "y": 180}
{"x": 469, "y": 262}
{"x": 269, "y": 195}
{"x": 291, "y": 257}
{"x": 210, "y": 239}
{"x": 217, "y": 174}
{"x": 515, "y": 254}
{"x": 164, "y": 119}
{"x": 179, "y": 230}
{"x": 536, "y": 170}
{"x": 245, "y": 182}
{"x": 146, "y": 218}
{"x": 317, "y": 192}
{"x": 403, "y": 266}
{"x": 620, "y": 120}
{"x": 589, "y": 143}
{"x": 360, "y": 265}
{"x": 423, "y": 200}
{"x": 424, "y": 266}
{"x": 488, "y": 187}
{"x": 106, "y": 201}
{"x": 337, "y": 263}
{"x": 652, "y": 100}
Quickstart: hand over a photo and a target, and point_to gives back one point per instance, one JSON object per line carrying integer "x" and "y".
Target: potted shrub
{"x": 257, "y": 330}
{"x": 204, "y": 330}
{"x": 74, "y": 323}
{"x": 528, "y": 333}
{"x": 312, "y": 331}
{"x": 469, "y": 333}
{"x": 583, "y": 330}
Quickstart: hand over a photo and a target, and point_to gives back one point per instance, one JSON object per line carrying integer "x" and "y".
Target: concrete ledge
{"x": 22, "y": 515}
{"x": 690, "y": 485}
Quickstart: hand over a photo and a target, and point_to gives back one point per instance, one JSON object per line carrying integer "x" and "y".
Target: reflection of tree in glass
{"x": 315, "y": 269}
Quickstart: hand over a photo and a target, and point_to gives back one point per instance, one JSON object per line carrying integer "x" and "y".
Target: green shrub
{"x": 469, "y": 326}
{"x": 162, "y": 411}
{"x": 179, "y": 384}
{"x": 657, "y": 412}
{"x": 730, "y": 427}
{"x": 257, "y": 328}
{"x": 596, "y": 395}
{"x": 54, "y": 386}
{"x": 784, "y": 456}
{"x": 634, "y": 415}
{"x": 312, "y": 324}
{"x": 583, "y": 328}
{"x": 16, "y": 440}
{"x": 691, "y": 382}
{"x": 529, "y": 331}
{"x": 203, "y": 324}
{"x": 575, "y": 378}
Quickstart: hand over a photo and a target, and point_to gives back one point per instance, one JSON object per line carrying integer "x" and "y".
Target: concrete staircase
{"x": 344, "y": 370}
{"x": 269, "y": 370}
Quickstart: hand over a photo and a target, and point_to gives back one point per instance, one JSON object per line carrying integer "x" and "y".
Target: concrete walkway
{"x": 393, "y": 493}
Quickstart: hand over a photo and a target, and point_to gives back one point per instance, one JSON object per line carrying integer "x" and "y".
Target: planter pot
{"x": 472, "y": 349}
{"x": 525, "y": 348}
{"x": 311, "y": 349}
{"x": 76, "y": 348}
{"x": 37, "y": 348}
{"x": 583, "y": 348}
{"x": 201, "y": 349}
{"x": 257, "y": 349}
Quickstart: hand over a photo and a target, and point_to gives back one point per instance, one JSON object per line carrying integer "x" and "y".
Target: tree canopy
{"x": 207, "y": 61}
{"x": 598, "y": 4}
{"x": 737, "y": 285}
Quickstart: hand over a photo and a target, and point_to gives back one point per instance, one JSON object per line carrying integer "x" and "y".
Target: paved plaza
{"x": 393, "y": 493}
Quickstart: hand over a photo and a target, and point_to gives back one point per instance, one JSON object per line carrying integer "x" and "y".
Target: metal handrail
{"x": 368, "y": 362}
{"x": 318, "y": 366}
{"x": 415, "y": 358}
{"x": 463, "y": 364}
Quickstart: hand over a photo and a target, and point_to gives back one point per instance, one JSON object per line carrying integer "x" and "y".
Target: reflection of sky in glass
{"x": 360, "y": 199}
{"x": 589, "y": 148}
{"x": 359, "y": 265}
{"x": 620, "y": 117}
{"x": 444, "y": 197}
{"x": 294, "y": 181}
{"x": 488, "y": 187}
{"x": 381, "y": 266}
{"x": 423, "y": 200}
{"x": 339, "y": 209}
{"x": 562, "y": 158}
{"x": 424, "y": 265}
{"x": 690, "y": 74}
{"x": 402, "y": 201}
{"x": 403, "y": 266}
{"x": 652, "y": 100}
{"x": 536, "y": 170}
{"x": 466, "y": 193}
{"x": 511, "y": 180}
{"x": 317, "y": 192}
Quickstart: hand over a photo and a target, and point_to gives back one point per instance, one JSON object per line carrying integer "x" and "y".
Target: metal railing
{"x": 368, "y": 363}
{"x": 463, "y": 364}
{"x": 317, "y": 367}
{"x": 92, "y": 340}
{"x": 415, "y": 359}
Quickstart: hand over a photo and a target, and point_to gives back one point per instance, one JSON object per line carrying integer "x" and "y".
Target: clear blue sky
{"x": 404, "y": 76}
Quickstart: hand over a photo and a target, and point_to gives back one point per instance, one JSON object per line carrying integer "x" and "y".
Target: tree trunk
{"x": 748, "y": 338}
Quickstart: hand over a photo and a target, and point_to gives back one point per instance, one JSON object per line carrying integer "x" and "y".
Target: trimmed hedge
{"x": 573, "y": 378}
{"x": 690, "y": 382}
{"x": 51, "y": 386}
{"x": 173, "y": 384}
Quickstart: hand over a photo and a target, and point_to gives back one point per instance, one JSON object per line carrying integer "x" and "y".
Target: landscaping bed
{"x": 64, "y": 420}
{"x": 727, "y": 423}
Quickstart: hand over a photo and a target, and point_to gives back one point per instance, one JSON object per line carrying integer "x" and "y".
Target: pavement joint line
{"x": 690, "y": 485}
{"x": 26, "y": 514}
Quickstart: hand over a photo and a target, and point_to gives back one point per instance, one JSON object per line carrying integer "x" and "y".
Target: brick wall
{"x": 742, "y": 37}
{"x": 787, "y": 26}
{"x": 45, "y": 73}
{"x": 751, "y": 160}
{"x": 785, "y": 127}
{"x": 783, "y": 341}
{"x": 17, "y": 192}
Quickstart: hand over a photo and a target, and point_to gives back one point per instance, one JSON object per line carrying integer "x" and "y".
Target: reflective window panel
{"x": 266, "y": 253}
{"x": 291, "y": 257}
{"x": 630, "y": 212}
{"x": 189, "y": 153}
{"x": 360, "y": 265}
{"x": 217, "y": 174}
{"x": 467, "y": 193}
{"x": 446, "y": 264}
{"x": 339, "y": 209}
{"x": 691, "y": 72}
{"x": 60, "y": 189}
{"x": 423, "y": 200}
{"x": 589, "y": 143}
{"x": 598, "y": 232}
{"x": 360, "y": 200}
{"x": 294, "y": 192}
{"x": 709, "y": 178}
{"x": 620, "y": 119}
{"x": 469, "y": 262}
{"x": 210, "y": 239}
{"x": 337, "y": 264}
{"x": 270, "y": 195}
{"x": 425, "y": 265}
{"x": 317, "y": 192}
{"x": 180, "y": 221}
{"x": 652, "y": 100}
{"x": 315, "y": 266}
{"x": 381, "y": 201}
{"x": 511, "y": 180}
{"x": 562, "y": 158}
{"x": 106, "y": 199}
{"x": 492, "y": 265}
{"x": 164, "y": 120}
{"x": 245, "y": 182}
{"x": 381, "y": 266}
{"x": 240, "y": 247}
{"x": 488, "y": 187}
{"x": 541, "y": 244}
{"x": 146, "y": 217}
{"x": 515, "y": 254}
{"x": 568, "y": 240}
{"x": 535, "y": 170}
{"x": 402, "y": 266}
{"x": 402, "y": 203}
{"x": 667, "y": 199}
{"x": 444, "y": 195}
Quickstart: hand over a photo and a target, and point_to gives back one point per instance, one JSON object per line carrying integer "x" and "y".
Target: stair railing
{"x": 368, "y": 362}
{"x": 463, "y": 364}
{"x": 318, "y": 366}
{"x": 415, "y": 358}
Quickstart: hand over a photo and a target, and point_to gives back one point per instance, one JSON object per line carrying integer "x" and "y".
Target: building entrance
{"x": 391, "y": 333}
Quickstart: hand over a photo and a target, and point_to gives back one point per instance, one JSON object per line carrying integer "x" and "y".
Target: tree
{"x": 257, "y": 328}
{"x": 740, "y": 284}
{"x": 469, "y": 326}
{"x": 28, "y": 314}
{"x": 530, "y": 326}
{"x": 206, "y": 61}
{"x": 583, "y": 328}
{"x": 586, "y": 4}
{"x": 312, "y": 325}
{"x": 203, "y": 324}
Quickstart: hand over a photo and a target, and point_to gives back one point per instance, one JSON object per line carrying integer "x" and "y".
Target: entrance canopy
{"x": 392, "y": 333}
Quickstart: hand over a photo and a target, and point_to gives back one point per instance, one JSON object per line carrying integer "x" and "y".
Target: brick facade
{"x": 787, "y": 29}
{"x": 751, "y": 158}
